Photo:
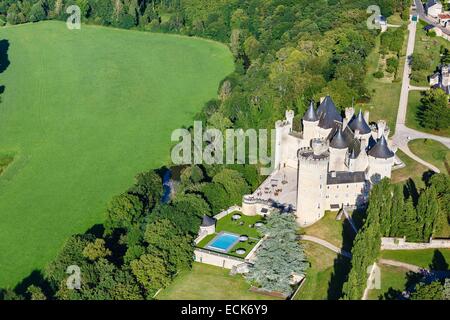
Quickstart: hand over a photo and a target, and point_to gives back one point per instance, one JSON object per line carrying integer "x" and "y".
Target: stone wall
{"x": 216, "y": 259}
{"x": 402, "y": 244}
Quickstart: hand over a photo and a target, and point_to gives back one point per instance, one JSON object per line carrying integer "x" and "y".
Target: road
{"x": 326, "y": 244}
{"x": 404, "y": 134}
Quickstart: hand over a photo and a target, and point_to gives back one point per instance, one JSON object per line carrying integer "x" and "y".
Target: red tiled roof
{"x": 444, "y": 16}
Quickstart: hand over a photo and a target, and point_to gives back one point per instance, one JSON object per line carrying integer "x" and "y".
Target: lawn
{"x": 205, "y": 282}
{"x": 84, "y": 111}
{"x": 5, "y": 161}
{"x": 430, "y": 47}
{"x": 412, "y": 169}
{"x": 433, "y": 152}
{"x": 240, "y": 227}
{"x": 413, "y": 121}
{"x": 393, "y": 279}
{"x": 334, "y": 231}
{"x": 319, "y": 274}
{"x": 422, "y": 258}
{"x": 385, "y": 95}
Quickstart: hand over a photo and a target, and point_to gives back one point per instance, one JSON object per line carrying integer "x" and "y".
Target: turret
{"x": 310, "y": 123}
{"x": 381, "y": 160}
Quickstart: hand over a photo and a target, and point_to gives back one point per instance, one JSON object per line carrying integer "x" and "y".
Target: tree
{"x": 435, "y": 113}
{"x": 397, "y": 210}
{"x": 122, "y": 212}
{"x": 432, "y": 291}
{"x": 280, "y": 256}
{"x": 35, "y": 293}
{"x": 163, "y": 236}
{"x": 37, "y": 12}
{"x": 95, "y": 250}
{"x": 151, "y": 271}
{"x": 428, "y": 213}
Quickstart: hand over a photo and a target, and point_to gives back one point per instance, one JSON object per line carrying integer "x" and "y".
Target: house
{"x": 381, "y": 22}
{"x": 444, "y": 19}
{"x": 433, "y": 8}
{"x": 441, "y": 79}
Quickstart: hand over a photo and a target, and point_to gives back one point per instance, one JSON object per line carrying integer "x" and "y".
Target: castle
{"x": 441, "y": 79}
{"x": 330, "y": 164}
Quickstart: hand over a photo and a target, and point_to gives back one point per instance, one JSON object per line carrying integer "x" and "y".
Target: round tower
{"x": 312, "y": 181}
{"x": 381, "y": 160}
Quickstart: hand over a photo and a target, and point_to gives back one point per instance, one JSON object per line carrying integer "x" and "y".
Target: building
{"x": 381, "y": 22}
{"x": 433, "y": 8}
{"x": 444, "y": 19}
{"x": 441, "y": 79}
{"x": 330, "y": 164}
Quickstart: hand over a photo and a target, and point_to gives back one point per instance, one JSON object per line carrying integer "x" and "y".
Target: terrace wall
{"x": 216, "y": 259}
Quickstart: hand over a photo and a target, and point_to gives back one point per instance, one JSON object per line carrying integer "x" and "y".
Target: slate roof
{"x": 428, "y": 27}
{"x": 328, "y": 114}
{"x": 342, "y": 177}
{"x": 381, "y": 149}
{"x": 208, "y": 221}
{"x": 310, "y": 114}
{"x": 339, "y": 141}
{"x": 359, "y": 123}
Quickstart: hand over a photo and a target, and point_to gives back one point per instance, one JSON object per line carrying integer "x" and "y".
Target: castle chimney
{"x": 381, "y": 124}
{"x": 366, "y": 116}
{"x": 349, "y": 112}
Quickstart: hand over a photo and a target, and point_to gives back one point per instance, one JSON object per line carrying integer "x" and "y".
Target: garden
{"x": 236, "y": 223}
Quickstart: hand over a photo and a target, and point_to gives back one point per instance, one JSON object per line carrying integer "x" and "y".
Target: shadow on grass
{"x": 341, "y": 265}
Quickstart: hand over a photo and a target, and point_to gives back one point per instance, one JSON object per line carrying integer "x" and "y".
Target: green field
{"x": 392, "y": 280}
{"x": 412, "y": 119}
{"x": 412, "y": 169}
{"x": 84, "y": 111}
{"x": 205, "y": 282}
{"x": 422, "y": 258}
{"x": 433, "y": 152}
{"x": 319, "y": 274}
{"x": 385, "y": 94}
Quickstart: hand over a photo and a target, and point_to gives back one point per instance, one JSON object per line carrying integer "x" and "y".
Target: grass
{"x": 319, "y": 273}
{"x": 86, "y": 111}
{"x": 422, "y": 258}
{"x": 5, "y": 161}
{"x": 205, "y": 282}
{"x": 327, "y": 228}
{"x": 430, "y": 47}
{"x": 433, "y": 152}
{"x": 412, "y": 170}
{"x": 385, "y": 95}
{"x": 392, "y": 279}
{"x": 413, "y": 121}
{"x": 229, "y": 225}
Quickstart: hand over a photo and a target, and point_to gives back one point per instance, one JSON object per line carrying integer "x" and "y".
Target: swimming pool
{"x": 223, "y": 242}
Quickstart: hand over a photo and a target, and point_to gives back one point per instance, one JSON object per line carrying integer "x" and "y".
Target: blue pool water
{"x": 223, "y": 242}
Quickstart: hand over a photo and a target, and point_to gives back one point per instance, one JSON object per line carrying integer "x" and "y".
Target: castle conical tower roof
{"x": 381, "y": 149}
{"x": 328, "y": 114}
{"x": 310, "y": 114}
{"x": 359, "y": 123}
{"x": 208, "y": 221}
{"x": 339, "y": 141}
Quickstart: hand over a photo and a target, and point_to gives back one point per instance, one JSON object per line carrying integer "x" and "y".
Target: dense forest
{"x": 286, "y": 52}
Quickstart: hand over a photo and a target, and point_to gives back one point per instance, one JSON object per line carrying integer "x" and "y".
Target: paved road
{"x": 407, "y": 266}
{"x": 326, "y": 244}
{"x": 404, "y": 134}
